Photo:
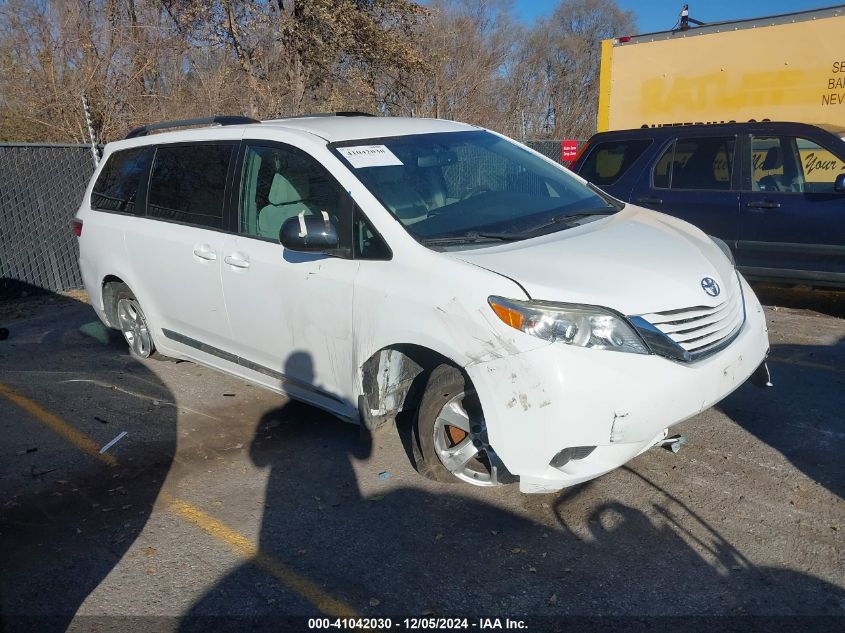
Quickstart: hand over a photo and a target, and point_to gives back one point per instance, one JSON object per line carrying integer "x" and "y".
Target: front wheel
{"x": 451, "y": 436}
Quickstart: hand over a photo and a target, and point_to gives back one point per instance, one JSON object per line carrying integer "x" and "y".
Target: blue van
{"x": 774, "y": 192}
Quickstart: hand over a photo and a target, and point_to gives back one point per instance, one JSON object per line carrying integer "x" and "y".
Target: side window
{"x": 788, "y": 164}
{"x": 188, "y": 184}
{"x": 819, "y": 166}
{"x": 117, "y": 185}
{"x": 609, "y": 161}
{"x": 769, "y": 159}
{"x": 697, "y": 164}
{"x": 663, "y": 168}
{"x": 279, "y": 183}
{"x": 368, "y": 243}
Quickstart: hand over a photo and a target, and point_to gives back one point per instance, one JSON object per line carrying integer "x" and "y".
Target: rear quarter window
{"x": 116, "y": 188}
{"x": 607, "y": 162}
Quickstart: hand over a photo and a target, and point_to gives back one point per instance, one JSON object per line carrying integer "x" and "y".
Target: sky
{"x": 661, "y": 15}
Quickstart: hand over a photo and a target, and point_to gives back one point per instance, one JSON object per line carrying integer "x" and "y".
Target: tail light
{"x": 77, "y": 227}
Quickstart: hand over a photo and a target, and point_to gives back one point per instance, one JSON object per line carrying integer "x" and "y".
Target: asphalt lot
{"x": 226, "y": 500}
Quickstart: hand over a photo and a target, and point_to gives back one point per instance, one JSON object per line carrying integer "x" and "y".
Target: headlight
{"x": 585, "y": 326}
{"x": 725, "y": 248}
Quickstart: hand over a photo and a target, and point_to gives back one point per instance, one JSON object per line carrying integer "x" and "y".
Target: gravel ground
{"x": 226, "y": 500}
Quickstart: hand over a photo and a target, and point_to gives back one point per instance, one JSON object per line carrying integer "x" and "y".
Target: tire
{"x": 450, "y": 435}
{"x": 128, "y": 317}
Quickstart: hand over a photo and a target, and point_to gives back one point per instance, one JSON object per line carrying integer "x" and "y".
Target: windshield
{"x": 455, "y": 187}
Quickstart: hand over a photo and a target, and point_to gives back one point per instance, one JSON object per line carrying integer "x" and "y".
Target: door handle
{"x": 237, "y": 260}
{"x": 204, "y": 251}
{"x": 649, "y": 200}
{"x": 763, "y": 204}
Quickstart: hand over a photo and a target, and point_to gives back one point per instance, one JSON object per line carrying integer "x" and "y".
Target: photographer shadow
{"x": 445, "y": 550}
{"x": 69, "y": 514}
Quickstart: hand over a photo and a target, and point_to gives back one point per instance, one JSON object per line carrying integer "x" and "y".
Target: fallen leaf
{"x": 553, "y": 599}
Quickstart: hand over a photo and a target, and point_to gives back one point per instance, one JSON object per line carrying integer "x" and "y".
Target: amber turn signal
{"x": 508, "y": 315}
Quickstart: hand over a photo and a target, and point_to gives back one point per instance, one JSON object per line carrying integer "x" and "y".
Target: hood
{"x": 635, "y": 262}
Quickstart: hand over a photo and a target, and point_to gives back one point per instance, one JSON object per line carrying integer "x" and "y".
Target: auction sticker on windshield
{"x": 369, "y": 156}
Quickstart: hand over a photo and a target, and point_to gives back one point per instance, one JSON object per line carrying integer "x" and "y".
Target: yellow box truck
{"x": 781, "y": 68}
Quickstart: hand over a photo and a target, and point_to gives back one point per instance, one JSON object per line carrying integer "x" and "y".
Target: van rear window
{"x": 117, "y": 185}
{"x": 188, "y": 184}
{"x": 608, "y": 162}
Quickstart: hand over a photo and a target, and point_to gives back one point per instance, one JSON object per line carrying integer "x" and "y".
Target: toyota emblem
{"x": 709, "y": 285}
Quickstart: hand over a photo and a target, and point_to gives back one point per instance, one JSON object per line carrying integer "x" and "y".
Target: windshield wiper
{"x": 467, "y": 238}
{"x": 534, "y": 231}
{"x": 505, "y": 236}
{"x": 569, "y": 218}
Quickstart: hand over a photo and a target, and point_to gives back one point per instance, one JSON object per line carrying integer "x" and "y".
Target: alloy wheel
{"x": 460, "y": 444}
{"x": 133, "y": 324}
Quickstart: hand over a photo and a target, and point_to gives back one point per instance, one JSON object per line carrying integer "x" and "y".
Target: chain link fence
{"x": 549, "y": 149}
{"x": 41, "y": 187}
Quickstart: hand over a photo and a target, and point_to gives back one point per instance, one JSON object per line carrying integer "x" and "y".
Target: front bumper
{"x": 539, "y": 402}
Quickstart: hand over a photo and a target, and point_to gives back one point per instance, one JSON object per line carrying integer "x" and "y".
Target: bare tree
{"x": 297, "y": 53}
{"x": 146, "y": 60}
{"x": 559, "y": 65}
{"x": 142, "y": 60}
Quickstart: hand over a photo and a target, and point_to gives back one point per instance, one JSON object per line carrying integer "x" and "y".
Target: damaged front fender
{"x": 386, "y": 378}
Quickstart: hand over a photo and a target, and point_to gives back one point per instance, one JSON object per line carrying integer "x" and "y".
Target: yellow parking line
{"x": 245, "y": 548}
{"x": 57, "y": 425}
{"x": 237, "y": 542}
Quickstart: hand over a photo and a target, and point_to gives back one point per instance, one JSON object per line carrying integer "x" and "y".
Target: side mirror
{"x": 839, "y": 184}
{"x": 309, "y": 234}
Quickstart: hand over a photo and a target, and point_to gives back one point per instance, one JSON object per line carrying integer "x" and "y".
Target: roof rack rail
{"x": 163, "y": 125}
{"x": 341, "y": 113}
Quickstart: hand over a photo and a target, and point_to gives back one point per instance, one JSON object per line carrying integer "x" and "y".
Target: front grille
{"x": 697, "y": 331}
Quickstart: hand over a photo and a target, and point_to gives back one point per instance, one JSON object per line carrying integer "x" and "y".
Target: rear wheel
{"x": 132, "y": 322}
{"x": 451, "y": 436}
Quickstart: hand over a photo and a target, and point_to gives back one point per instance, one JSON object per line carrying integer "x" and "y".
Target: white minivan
{"x": 540, "y": 330}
